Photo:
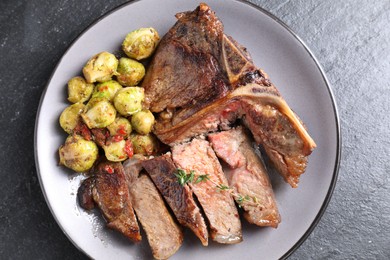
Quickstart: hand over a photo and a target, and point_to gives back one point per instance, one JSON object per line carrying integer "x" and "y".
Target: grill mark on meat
{"x": 180, "y": 198}
{"x": 110, "y": 194}
{"x": 246, "y": 174}
{"x": 218, "y": 206}
{"x": 164, "y": 235}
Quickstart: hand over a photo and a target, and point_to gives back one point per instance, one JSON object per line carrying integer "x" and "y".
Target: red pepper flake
{"x": 86, "y": 133}
{"x": 117, "y": 138}
{"x": 109, "y": 169}
{"x": 121, "y": 131}
{"x": 129, "y": 149}
{"x": 83, "y": 130}
{"x": 103, "y": 88}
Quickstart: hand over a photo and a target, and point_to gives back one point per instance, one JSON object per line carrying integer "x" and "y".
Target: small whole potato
{"x": 129, "y": 100}
{"x": 141, "y": 43}
{"x": 100, "y": 67}
{"x": 79, "y": 90}
{"x": 116, "y": 151}
{"x": 144, "y": 144}
{"x": 130, "y": 72}
{"x": 71, "y": 116}
{"x": 107, "y": 89}
{"x": 121, "y": 126}
{"x": 98, "y": 113}
{"x": 78, "y": 154}
{"x": 142, "y": 122}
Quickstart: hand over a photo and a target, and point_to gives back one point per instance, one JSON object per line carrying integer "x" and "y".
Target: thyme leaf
{"x": 222, "y": 187}
{"x": 183, "y": 177}
{"x": 240, "y": 199}
{"x": 202, "y": 178}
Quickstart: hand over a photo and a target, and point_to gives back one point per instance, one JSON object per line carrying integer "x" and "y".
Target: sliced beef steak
{"x": 180, "y": 198}
{"x": 246, "y": 174}
{"x": 198, "y": 74}
{"x": 218, "y": 205}
{"x": 108, "y": 189}
{"x": 164, "y": 235}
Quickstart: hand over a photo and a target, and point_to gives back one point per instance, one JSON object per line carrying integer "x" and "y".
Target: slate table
{"x": 351, "y": 40}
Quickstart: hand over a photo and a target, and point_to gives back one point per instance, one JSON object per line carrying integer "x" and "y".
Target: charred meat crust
{"x": 180, "y": 199}
{"x": 110, "y": 194}
{"x": 84, "y": 194}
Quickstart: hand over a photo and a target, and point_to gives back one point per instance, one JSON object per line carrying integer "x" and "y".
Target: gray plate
{"x": 292, "y": 68}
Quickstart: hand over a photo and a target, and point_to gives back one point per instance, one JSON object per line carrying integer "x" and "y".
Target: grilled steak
{"x": 218, "y": 205}
{"x": 201, "y": 80}
{"x": 193, "y": 42}
{"x": 110, "y": 194}
{"x": 180, "y": 198}
{"x": 246, "y": 174}
{"x": 164, "y": 235}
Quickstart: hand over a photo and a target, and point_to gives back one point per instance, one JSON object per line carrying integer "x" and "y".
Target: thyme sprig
{"x": 202, "y": 178}
{"x": 185, "y": 178}
{"x": 222, "y": 187}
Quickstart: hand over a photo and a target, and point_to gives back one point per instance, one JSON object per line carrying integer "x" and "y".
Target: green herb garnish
{"x": 183, "y": 177}
{"x": 202, "y": 178}
{"x": 240, "y": 199}
{"x": 222, "y": 187}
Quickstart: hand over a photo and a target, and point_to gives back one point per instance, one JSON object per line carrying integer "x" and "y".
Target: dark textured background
{"x": 351, "y": 40}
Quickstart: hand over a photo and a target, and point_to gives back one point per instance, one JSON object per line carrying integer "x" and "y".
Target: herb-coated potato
{"x": 129, "y": 100}
{"x": 98, "y": 113}
{"x": 107, "y": 89}
{"x": 115, "y": 151}
{"x": 78, "y": 154}
{"x": 79, "y": 90}
{"x": 71, "y": 116}
{"x": 100, "y": 67}
{"x": 142, "y": 122}
{"x": 121, "y": 126}
{"x": 141, "y": 43}
{"x": 144, "y": 144}
{"x": 130, "y": 72}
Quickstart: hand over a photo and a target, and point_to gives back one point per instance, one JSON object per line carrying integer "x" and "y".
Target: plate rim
{"x": 301, "y": 42}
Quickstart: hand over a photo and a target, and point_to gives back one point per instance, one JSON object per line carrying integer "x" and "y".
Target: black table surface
{"x": 351, "y": 40}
